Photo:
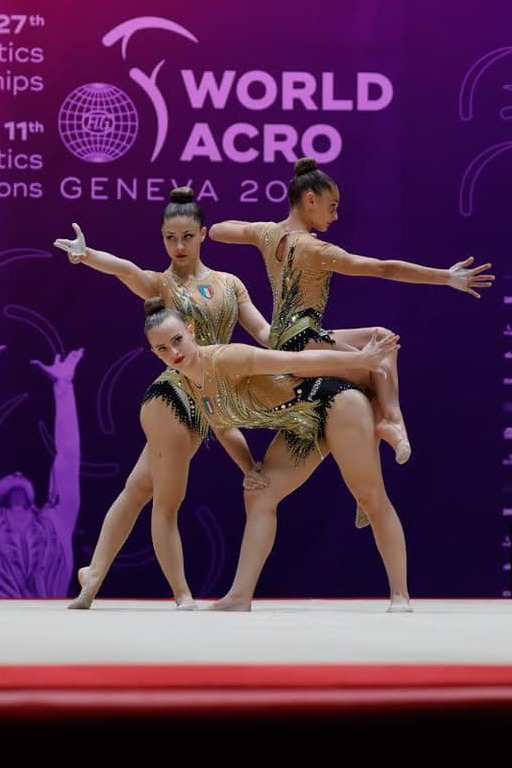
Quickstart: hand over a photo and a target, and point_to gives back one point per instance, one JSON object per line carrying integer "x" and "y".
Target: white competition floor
{"x": 286, "y": 661}
{"x": 274, "y": 632}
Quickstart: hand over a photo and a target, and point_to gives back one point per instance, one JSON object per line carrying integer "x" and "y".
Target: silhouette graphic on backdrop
{"x": 467, "y": 93}
{"x": 36, "y": 553}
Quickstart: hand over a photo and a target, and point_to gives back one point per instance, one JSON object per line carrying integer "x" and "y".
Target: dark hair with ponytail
{"x": 308, "y": 176}
{"x": 156, "y": 313}
{"x": 182, "y": 203}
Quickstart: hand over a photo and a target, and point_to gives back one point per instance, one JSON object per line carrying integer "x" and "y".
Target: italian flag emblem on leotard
{"x": 208, "y": 405}
{"x": 206, "y": 291}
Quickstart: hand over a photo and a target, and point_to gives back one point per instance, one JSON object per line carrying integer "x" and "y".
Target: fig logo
{"x": 98, "y": 123}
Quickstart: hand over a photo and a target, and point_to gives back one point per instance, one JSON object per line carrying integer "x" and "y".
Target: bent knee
{"x": 369, "y": 498}
{"x": 166, "y": 509}
{"x": 262, "y": 499}
{"x": 139, "y": 487}
{"x": 351, "y": 405}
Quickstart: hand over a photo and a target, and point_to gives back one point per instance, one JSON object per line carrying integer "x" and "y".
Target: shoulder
{"x": 263, "y": 233}
{"x": 229, "y": 280}
{"x": 319, "y": 249}
{"x": 151, "y": 274}
{"x": 232, "y": 359}
{"x": 159, "y": 278}
{"x": 220, "y": 276}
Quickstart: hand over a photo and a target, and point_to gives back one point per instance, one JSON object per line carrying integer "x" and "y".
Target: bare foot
{"x": 186, "y": 604}
{"x": 399, "y": 604}
{"x": 83, "y": 601}
{"x": 88, "y": 593}
{"x": 396, "y": 436}
{"x": 82, "y": 575}
{"x": 230, "y": 604}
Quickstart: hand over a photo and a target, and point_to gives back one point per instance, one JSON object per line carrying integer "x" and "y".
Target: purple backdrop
{"x": 410, "y": 110}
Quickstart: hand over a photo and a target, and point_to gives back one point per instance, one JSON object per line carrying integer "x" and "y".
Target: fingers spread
{"x": 63, "y": 244}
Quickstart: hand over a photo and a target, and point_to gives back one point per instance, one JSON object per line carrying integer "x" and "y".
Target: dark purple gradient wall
{"x": 410, "y": 109}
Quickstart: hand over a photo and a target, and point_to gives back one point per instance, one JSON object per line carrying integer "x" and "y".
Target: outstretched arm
{"x": 65, "y": 475}
{"x": 245, "y": 360}
{"x": 138, "y": 280}
{"x": 233, "y": 232}
{"x": 335, "y": 259}
{"x": 458, "y": 276}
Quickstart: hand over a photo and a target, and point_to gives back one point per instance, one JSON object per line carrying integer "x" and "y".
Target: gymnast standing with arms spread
{"x": 215, "y": 301}
{"x": 299, "y": 267}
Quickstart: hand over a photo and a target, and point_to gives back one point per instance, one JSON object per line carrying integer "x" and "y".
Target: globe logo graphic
{"x": 98, "y": 122}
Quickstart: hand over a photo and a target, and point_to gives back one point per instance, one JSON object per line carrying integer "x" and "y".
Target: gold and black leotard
{"x": 300, "y": 289}
{"x": 213, "y": 304}
{"x": 297, "y": 406}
